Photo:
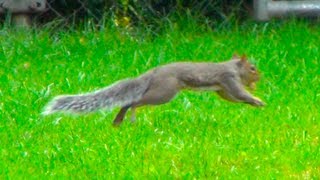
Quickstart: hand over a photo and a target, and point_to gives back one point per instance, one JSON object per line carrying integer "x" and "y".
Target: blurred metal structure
{"x": 266, "y": 9}
{"x": 21, "y": 10}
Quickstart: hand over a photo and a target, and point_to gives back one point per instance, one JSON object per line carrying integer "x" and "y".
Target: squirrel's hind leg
{"x": 120, "y": 116}
{"x": 133, "y": 114}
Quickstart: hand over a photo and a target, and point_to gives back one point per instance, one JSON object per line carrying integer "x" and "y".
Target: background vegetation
{"x": 147, "y": 13}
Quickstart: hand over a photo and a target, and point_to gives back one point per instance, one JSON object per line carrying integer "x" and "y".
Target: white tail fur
{"x": 121, "y": 93}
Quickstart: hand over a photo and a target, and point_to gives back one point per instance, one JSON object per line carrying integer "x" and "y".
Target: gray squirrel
{"x": 160, "y": 84}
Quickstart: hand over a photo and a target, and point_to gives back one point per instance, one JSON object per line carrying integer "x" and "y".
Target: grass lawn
{"x": 197, "y": 135}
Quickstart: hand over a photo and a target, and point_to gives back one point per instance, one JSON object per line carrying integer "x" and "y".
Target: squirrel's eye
{"x": 252, "y": 68}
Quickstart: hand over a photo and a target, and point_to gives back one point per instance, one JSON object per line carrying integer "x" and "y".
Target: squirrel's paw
{"x": 258, "y": 102}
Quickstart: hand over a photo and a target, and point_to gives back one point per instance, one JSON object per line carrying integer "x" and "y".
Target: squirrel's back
{"x": 196, "y": 74}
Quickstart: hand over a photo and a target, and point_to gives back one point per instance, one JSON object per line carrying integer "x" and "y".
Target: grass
{"x": 197, "y": 135}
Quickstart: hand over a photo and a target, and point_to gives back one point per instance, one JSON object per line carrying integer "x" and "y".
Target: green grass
{"x": 197, "y": 135}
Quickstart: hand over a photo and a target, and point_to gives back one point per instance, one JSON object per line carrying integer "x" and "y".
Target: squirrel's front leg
{"x": 234, "y": 91}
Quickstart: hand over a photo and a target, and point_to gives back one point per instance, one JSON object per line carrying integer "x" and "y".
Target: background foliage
{"x": 145, "y": 12}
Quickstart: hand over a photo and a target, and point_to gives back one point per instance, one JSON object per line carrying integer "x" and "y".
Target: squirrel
{"x": 160, "y": 84}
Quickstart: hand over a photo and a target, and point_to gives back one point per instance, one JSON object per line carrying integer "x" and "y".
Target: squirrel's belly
{"x": 207, "y": 88}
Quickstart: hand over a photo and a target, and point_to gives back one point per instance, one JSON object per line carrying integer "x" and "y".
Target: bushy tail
{"x": 120, "y": 93}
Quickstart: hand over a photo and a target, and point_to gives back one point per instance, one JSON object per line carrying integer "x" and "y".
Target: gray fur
{"x": 121, "y": 93}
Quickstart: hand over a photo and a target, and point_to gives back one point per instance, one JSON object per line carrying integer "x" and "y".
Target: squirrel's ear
{"x": 235, "y": 56}
{"x": 243, "y": 58}
{"x": 243, "y": 61}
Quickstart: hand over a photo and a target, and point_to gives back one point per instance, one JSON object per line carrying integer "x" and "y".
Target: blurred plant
{"x": 146, "y": 13}
{"x": 121, "y": 18}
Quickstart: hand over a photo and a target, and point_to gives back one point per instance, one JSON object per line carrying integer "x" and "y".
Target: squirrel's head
{"x": 248, "y": 72}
